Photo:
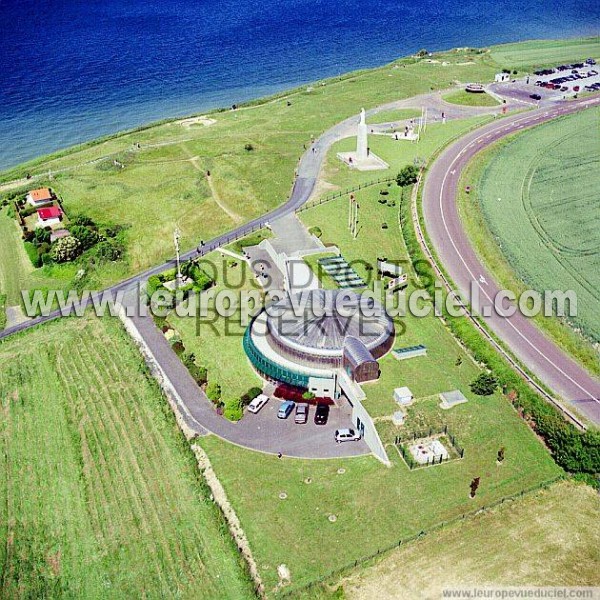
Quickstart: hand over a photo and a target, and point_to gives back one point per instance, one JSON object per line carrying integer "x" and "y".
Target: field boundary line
{"x": 233, "y": 522}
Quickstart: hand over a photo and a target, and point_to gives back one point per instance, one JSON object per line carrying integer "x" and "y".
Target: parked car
{"x": 285, "y": 410}
{"x": 346, "y": 435}
{"x": 257, "y": 403}
{"x": 535, "y": 96}
{"x": 301, "y": 413}
{"x": 321, "y": 414}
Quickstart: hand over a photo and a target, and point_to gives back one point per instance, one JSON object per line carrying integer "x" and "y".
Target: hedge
{"x": 32, "y": 252}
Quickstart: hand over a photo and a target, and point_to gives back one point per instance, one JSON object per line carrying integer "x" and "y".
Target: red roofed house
{"x": 40, "y": 197}
{"x": 49, "y": 216}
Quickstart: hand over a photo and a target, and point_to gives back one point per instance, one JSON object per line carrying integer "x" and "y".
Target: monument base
{"x": 178, "y": 283}
{"x": 371, "y": 163}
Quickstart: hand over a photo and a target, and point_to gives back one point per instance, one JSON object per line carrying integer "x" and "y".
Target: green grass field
{"x": 99, "y": 497}
{"x": 376, "y": 506}
{"x": 540, "y": 534}
{"x": 469, "y": 99}
{"x": 545, "y": 53}
{"x": 538, "y": 197}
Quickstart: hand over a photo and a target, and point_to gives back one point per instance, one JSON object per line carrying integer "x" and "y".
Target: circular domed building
{"x": 307, "y": 338}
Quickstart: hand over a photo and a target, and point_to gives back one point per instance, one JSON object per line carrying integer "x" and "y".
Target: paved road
{"x": 551, "y": 365}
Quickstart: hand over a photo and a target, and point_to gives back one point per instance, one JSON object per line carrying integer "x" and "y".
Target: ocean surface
{"x": 72, "y": 70}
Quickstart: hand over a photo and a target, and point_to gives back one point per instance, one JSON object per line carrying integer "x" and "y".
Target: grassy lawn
{"x": 99, "y": 496}
{"x": 375, "y": 506}
{"x": 553, "y": 536}
{"x": 550, "y": 240}
{"x": 469, "y": 99}
{"x": 545, "y": 53}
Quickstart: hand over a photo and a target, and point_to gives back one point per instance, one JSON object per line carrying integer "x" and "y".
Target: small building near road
{"x": 40, "y": 197}
{"x": 502, "y": 77}
{"x": 48, "y": 217}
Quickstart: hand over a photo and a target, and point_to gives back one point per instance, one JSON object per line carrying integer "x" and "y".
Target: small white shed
{"x": 403, "y": 396}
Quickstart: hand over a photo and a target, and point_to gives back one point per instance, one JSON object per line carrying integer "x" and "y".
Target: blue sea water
{"x": 72, "y": 70}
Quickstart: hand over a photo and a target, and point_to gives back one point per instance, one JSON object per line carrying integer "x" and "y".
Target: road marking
{"x": 516, "y": 123}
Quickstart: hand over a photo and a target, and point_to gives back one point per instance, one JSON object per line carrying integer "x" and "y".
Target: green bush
{"x": 234, "y": 410}
{"x": 32, "y": 252}
{"x": 86, "y": 236}
{"x": 407, "y": 176}
{"x": 484, "y": 384}
{"x": 316, "y": 231}
{"x": 252, "y": 393}
{"x": 213, "y": 391}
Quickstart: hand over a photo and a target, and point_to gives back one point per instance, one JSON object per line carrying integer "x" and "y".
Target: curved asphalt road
{"x": 567, "y": 379}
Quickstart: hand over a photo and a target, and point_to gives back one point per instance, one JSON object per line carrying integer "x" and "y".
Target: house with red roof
{"x": 47, "y": 217}
{"x": 40, "y": 197}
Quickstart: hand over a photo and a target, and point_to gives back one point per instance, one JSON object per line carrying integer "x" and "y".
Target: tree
{"x": 87, "y": 237}
{"x": 107, "y": 250}
{"x": 484, "y": 384}
{"x": 84, "y": 221}
{"x": 407, "y": 176}
{"x": 66, "y": 249}
{"x": 234, "y": 410}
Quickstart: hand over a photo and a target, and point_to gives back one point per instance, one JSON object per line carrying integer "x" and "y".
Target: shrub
{"x": 83, "y": 221}
{"x": 213, "y": 391}
{"x": 108, "y": 250}
{"x": 66, "y": 249}
{"x": 42, "y": 235}
{"x": 316, "y": 231}
{"x": 248, "y": 147}
{"x": 484, "y": 384}
{"x": 87, "y": 237}
{"x": 32, "y": 252}
{"x": 308, "y": 396}
{"x": 407, "y": 176}
{"x": 252, "y": 393}
{"x": 233, "y": 409}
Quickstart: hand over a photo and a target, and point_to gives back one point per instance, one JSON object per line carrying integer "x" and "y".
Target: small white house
{"x": 403, "y": 396}
{"x": 48, "y": 217}
{"x": 40, "y": 197}
{"x": 502, "y": 77}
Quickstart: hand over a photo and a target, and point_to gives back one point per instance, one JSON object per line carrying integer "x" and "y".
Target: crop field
{"x": 545, "y": 53}
{"x": 538, "y": 195}
{"x": 375, "y": 506}
{"x": 538, "y": 533}
{"x": 99, "y": 496}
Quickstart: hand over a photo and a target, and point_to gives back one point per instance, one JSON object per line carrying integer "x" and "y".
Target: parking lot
{"x": 270, "y": 434}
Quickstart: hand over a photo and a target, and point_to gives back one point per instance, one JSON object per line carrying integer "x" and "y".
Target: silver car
{"x": 301, "y": 413}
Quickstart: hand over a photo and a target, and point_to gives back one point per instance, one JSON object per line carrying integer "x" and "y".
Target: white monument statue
{"x": 362, "y": 159}
{"x": 362, "y": 144}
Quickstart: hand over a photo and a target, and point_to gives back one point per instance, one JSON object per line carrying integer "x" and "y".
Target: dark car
{"x": 321, "y": 414}
{"x": 535, "y": 97}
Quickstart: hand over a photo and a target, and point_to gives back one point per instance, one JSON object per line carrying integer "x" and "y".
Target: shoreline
{"x": 253, "y": 102}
